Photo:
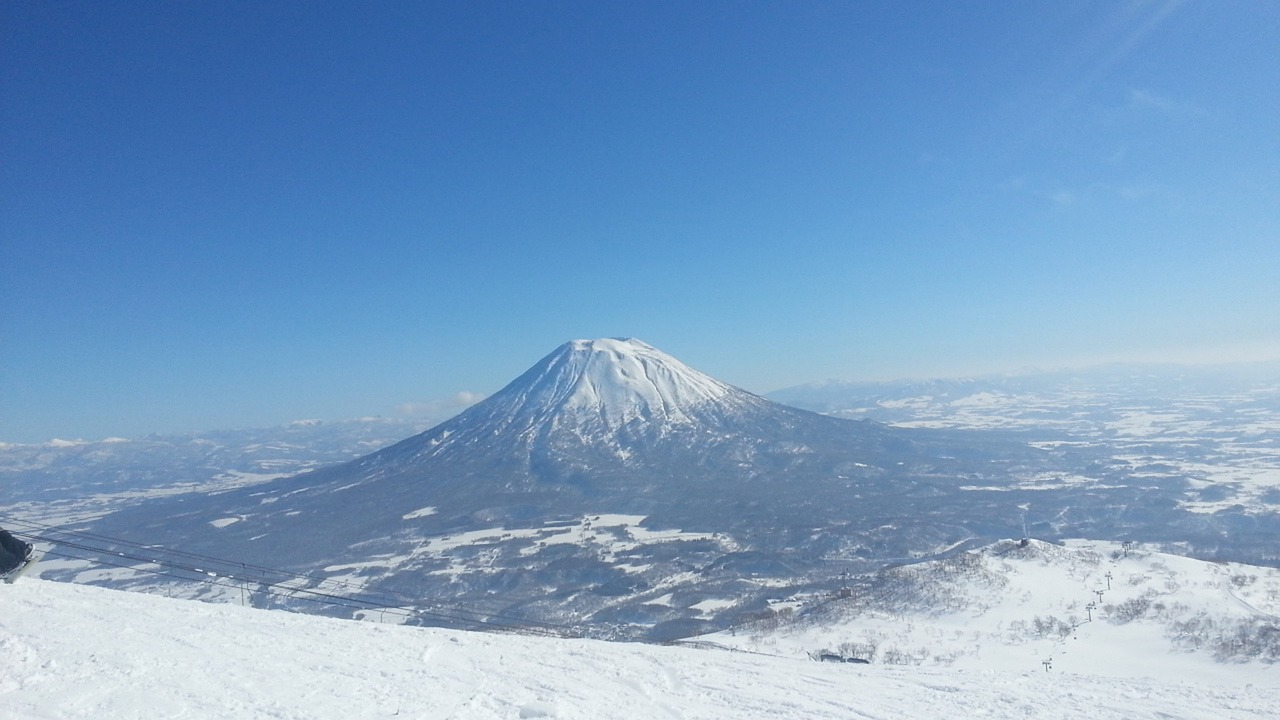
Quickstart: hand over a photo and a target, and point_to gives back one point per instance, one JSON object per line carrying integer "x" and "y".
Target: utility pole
{"x": 1108, "y": 576}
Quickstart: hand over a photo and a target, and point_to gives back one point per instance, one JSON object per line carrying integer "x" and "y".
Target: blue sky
{"x": 222, "y": 214}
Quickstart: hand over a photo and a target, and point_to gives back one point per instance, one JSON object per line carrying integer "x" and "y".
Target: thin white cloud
{"x": 1063, "y": 198}
{"x": 444, "y": 406}
{"x": 1116, "y": 38}
{"x": 1145, "y": 101}
{"x": 1128, "y": 28}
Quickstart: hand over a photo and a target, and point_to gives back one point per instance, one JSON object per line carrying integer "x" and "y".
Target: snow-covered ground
{"x": 70, "y": 651}
{"x": 610, "y": 534}
{"x": 1100, "y": 608}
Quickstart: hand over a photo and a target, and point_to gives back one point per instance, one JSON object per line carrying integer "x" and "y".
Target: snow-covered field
{"x": 70, "y": 651}
{"x": 1215, "y": 429}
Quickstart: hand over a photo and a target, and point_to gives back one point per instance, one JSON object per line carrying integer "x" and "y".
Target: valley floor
{"x": 70, "y": 651}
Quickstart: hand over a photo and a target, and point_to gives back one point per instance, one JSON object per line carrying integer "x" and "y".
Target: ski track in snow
{"x": 70, "y": 651}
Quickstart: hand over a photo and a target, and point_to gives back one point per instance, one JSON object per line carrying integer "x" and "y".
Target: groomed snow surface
{"x": 69, "y": 651}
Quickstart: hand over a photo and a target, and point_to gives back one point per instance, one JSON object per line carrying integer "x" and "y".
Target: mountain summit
{"x": 611, "y": 391}
{"x": 611, "y": 382}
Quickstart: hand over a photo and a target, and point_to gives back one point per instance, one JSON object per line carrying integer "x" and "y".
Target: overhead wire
{"x": 203, "y": 576}
{"x": 235, "y": 568}
{"x": 220, "y": 569}
{"x": 275, "y": 589}
{"x": 235, "y": 565}
{"x": 228, "y": 566}
{"x": 102, "y": 556}
{"x": 210, "y": 581}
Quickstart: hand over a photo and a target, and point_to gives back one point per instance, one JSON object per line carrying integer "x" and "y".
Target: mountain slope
{"x": 1078, "y": 607}
{"x": 617, "y": 426}
{"x": 83, "y": 652}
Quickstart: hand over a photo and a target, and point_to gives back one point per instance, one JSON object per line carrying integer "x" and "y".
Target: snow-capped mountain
{"x": 616, "y": 396}
{"x": 612, "y": 486}
{"x": 606, "y": 385}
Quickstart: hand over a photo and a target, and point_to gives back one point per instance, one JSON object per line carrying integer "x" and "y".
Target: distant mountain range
{"x": 1085, "y": 400}
{"x": 64, "y": 479}
{"x": 615, "y": 489}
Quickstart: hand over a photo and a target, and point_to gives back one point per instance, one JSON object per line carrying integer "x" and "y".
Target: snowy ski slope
{"x": 70, "y": 651}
